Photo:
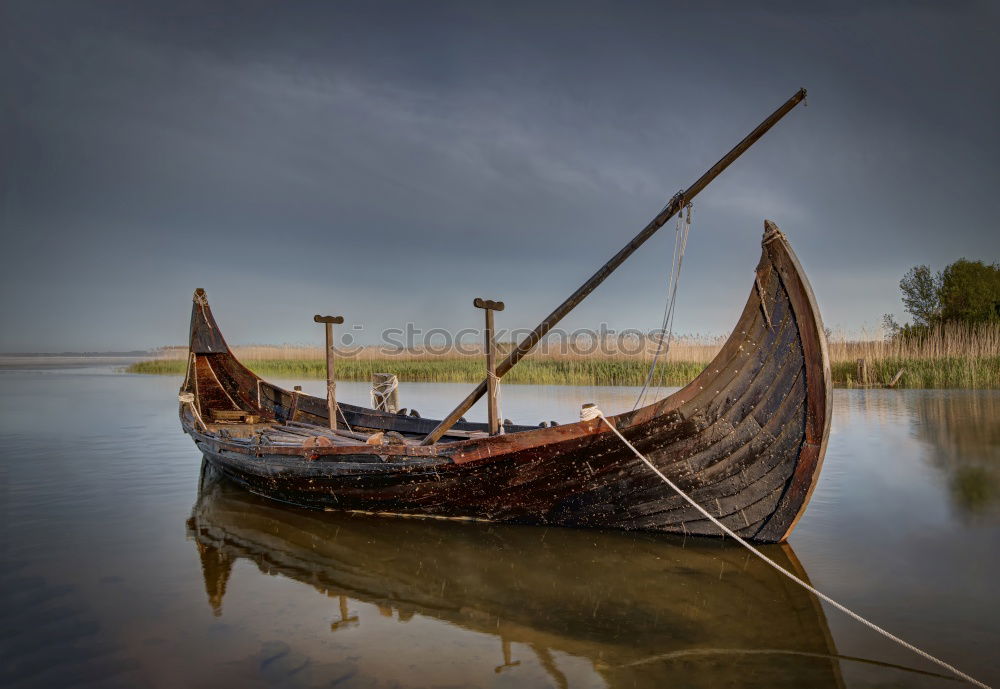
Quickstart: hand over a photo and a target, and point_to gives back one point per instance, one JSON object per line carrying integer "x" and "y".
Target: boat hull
{"x": 745, "y": 439}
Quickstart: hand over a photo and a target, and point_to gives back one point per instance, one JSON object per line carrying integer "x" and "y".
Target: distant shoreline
{"x": 131, "y": 354}
{"x": 16, "y": 362}
{"x": 939, "y": 372}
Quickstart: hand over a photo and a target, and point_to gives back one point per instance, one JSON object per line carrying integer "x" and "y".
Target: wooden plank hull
{"x": 745, "y": 439}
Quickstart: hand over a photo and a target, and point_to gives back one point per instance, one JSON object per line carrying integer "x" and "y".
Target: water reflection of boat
{"x": 643, "y": 609}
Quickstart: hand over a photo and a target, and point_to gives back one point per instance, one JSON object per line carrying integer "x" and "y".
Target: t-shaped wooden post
{"x": 331, "y": 384}
{"x": 491, "y": 363}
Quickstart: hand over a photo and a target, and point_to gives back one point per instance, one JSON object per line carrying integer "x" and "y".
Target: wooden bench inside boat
{"x": 232, "y": 416}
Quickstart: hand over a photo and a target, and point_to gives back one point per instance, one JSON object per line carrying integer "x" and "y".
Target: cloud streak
{"x": 393, "y": 161}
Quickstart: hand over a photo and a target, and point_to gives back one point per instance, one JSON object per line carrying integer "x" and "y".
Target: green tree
{"x": 921, "y": 294}
{"x": 969, "y": 292}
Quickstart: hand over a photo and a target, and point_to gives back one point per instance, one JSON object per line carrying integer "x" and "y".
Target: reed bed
{"x": 468, "y": 369}
{"x": 688, "y": 349}
{"x": 948, "y": 356}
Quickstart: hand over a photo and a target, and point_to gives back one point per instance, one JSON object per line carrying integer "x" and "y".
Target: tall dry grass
{"x": 944, "y": 341}
{"x": 948, "y": 356}
{"x": 688, "y": 348}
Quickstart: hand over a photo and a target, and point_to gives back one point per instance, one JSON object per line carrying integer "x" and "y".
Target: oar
{"x": 676, "y": 204}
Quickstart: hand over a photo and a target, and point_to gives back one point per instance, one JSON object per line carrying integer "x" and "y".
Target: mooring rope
{"x": 591, "y": 412}
{"x": 695, "y": 652}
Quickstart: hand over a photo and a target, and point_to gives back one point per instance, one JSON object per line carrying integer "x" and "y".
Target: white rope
{"x": 380, "y": 392}
{"x": 591, "y": 412}
{"x": 188, "y": 399}
{"x": 496, "y": 398}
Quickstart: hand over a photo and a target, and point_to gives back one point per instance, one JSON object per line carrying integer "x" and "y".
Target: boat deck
{"x": 298, "y": 434}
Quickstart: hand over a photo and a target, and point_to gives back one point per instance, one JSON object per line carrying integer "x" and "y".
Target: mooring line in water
{"x": 692, "y": 652}
{"x": 591, "y": 412}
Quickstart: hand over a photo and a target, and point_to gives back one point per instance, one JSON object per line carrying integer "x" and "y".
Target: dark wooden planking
{"x": 737, "y": 437}
{"x": 740, "y": 465}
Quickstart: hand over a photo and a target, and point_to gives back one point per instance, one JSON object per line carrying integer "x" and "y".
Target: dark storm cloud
{"x": 391, "y": 161}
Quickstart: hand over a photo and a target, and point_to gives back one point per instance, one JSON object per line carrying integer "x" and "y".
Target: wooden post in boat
{"x": 294, "y": 408}
{"x": 331, "y": 384}
{"x": 491, "y": 368}
{"x": 675, "y": 204}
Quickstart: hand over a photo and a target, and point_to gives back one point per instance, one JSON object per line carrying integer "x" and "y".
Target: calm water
{"x": 123, "y": 565}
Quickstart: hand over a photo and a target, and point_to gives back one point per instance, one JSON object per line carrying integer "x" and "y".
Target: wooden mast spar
{"x": 331, "y": 383}
{"x": 489, "y": 307}
{"x": 676, "y": 204}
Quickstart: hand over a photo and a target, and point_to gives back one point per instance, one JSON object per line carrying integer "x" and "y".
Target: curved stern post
{"x": 215, "y": 381}
{"x": 819, "y": 387}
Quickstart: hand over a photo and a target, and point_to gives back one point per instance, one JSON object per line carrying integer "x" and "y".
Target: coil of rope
{"x": 380, "y": 392}
{"x": 591, "y": 412}
{"x": 188, "y": 399}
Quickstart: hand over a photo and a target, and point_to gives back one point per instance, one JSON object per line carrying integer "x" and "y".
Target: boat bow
{"x": 756, "y": 421}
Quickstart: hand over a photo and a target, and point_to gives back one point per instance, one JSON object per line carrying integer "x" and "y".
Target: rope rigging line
{"x": 496, "y": 398}
{"x": 344, "y": 418}
{"x": 592, "y": 412}
{"x": 681, "y": 231}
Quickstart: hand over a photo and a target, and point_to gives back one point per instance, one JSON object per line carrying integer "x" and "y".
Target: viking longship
{"x": 745, "y": 438}
{"x": 737, "y": 622}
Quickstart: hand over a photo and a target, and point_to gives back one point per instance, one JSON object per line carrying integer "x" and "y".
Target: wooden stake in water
{"x": 331, "y": 385}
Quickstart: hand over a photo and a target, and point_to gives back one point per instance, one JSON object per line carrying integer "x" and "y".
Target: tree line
{"x": 965, "y": 292}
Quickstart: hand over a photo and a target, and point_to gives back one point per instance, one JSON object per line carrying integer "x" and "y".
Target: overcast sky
{"x": 389, "y": 162}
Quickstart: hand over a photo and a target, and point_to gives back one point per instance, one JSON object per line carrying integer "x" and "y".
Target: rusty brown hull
{"x": 745, "y": 439}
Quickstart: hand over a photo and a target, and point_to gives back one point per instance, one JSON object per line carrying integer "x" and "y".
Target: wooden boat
{"x": 635, "y": 610}
{"x": 745, "y": 438}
